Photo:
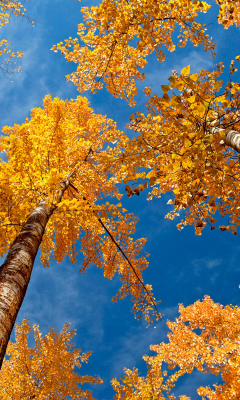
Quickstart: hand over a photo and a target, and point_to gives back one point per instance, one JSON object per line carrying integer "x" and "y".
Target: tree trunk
{"x": 231, "y": 138}
{"x": 16, "y": 270}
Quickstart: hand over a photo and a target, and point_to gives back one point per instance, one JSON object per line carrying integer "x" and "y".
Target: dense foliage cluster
{"x": 65, "y": 160}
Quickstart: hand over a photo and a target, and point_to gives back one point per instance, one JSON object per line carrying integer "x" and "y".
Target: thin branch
{"x": 119, "y": 248}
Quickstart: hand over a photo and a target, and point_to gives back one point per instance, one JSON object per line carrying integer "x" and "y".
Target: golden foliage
{"x": 180, "y": 143}
{"x": 106, "y": 48}
{"x": 205, "y": 337}
{"x": 8, "y": 8}
{"x": 66, "y": 140}
{"x": 229, "y": 12}
{"x": 177, "y": 141}
{"x": 48, "y": 370}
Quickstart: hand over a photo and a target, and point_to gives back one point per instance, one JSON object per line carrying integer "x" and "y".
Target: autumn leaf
{"x": 186, "y": 71}
{"x": 165, "y": 88}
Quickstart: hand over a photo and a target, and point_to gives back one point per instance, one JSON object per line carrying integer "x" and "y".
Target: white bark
{"x": 231, "y": 138}
{"x": 16, "y": 270}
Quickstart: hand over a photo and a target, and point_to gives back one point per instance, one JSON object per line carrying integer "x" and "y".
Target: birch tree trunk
{"x": 231, "y": 138}
{"x": 16, "y": 270}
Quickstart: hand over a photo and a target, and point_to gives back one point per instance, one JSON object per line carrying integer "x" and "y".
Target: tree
{"x": 46, "y": 371}
{"x": 107, "y": 50}
{"x": 205, "y": 337}
{"x": 186, "y": 146}
{"x": 182, "y": 139}
{"x": 59, "y": 166}
{"x": 121, "y": 34}
{"x": 8, "y": 8}
{"x": 187, "y": 142}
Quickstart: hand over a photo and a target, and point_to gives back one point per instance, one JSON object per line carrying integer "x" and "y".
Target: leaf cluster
{"x": 205, "y": 337}
{"x": 46, "y": 371}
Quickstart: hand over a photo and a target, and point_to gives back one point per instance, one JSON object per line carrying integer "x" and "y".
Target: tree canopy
{"x": 47, "y": 370}
{"x": 58, "y": 165}
{"x": 60, "y": 174}
{"x": 66, "y": 140}
{"x": 118, "y": 36}
{"x": 187, "y": 143}
{"x": 183, "y": 139}
{"x": 205, "y": 337}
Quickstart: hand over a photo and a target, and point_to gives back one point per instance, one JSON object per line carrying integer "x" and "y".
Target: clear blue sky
{"x": 183, "y": 267}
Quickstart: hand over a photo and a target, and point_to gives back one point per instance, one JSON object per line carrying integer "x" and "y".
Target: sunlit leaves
{"x": 205, "y": 337}
{"x": 106, "y": 51}
{"x": 186, "y": 71}
{"x": 62, "y": 141}
{"x": 7, "y": 9}
{"x": 229, "y": 12}
{"x": 181, "y": 145}
{"x": 45, "y": 371}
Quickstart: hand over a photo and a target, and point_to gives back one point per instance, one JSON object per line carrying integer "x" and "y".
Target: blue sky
{"x": 183, "y": 267}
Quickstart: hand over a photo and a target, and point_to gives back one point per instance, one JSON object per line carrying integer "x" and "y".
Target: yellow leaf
{"x": 176, "y": 165}
{"x": 172, "y": 79}
{"x": 221, "y": 99}
{"x": 195, "y": 182}
{"x": 176, "y": 190}
{"x": 173, "y": 102}
{"x": 187, "y": 143}
{"x": 194, "y": 77}
{"x": 223, "y": 228}
{"x": 201, "y": 109}
{"x": 191, "y": 99}
{"x": 186, "y": 71}
{"x": 165, "y": 88}
{"x": 186, "y": 163}
{"x": 129, "y": 191}
{"x": 218, "y": 86}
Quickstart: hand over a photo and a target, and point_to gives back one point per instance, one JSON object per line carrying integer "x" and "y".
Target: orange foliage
{"x": 66, "y": 140}
{"x": 177, "y": 139}
{"x": 205, "y": 337}
{"x": 107, "y": 50}
{"x": 8, "y": 8}
{"x": 48, "y": 370}
{"x": 229, "y": 12}
{"x": 181, "y": 142}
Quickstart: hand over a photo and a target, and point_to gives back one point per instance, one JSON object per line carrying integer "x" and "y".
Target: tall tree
{"x": 205, "y": 337}
{"x": 45, "y": 371}
{"x": 59, "y": 166}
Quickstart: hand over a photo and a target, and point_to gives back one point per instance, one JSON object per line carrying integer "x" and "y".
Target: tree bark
{"x": 16, "y": 270}
{"x": 231, "y": 138}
